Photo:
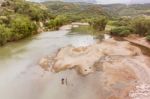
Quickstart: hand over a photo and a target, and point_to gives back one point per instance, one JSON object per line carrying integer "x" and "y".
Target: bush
{"x": 120, "y": 22}
{"x": 19, "y": 19}
{"x": 141, "y": 26}
{"x": 99, "y": 23}
{"x": 33, "y": 11}
{"x": 125, "y": 33}
{"x": 121, "y": 31}
{"x": 22, "y": 27}
{"x": 5, "y": 34}
{"x": 57, "y": 22}
{"x": 114, "y": 23}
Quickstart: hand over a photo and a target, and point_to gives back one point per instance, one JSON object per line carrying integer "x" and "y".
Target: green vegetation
{"x": 21, "y": 27}
{"x": 138, "y": 25}
{"x": 98, "y": 23}
{"x": 119, "y": 22}
{"x": 127, "y": 10}
{"x": 119, "y": 18}
{"x": 60, "y": 20}
{"x": 4, "y": 34}
{"x": 121, "y": 31}
{"x": 76, "y": 11}
{"x": 141, "y": 26}
{"x": 20, "y": 19}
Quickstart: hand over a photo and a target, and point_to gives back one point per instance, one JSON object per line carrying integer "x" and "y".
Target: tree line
{"x": 20, "y": 19}
{"x": 126, "y": 26}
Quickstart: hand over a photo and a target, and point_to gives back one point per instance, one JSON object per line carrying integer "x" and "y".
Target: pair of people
{"x": 64, "y": 81}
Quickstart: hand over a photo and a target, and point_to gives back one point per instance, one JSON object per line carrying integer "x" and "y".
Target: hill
{"x": 127, "y": 10}
{"x": 93, "y": 10}
{"x": 86, "y": 1}
{"x": 76, "y": 10}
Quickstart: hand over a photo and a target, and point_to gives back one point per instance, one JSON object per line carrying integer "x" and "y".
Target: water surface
{"x": 22, "y": 78}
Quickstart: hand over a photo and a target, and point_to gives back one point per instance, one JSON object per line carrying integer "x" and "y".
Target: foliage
{"x": 57, "y": 22}
{"x": 127, "y": 10}
{"x": 75, "y": 11}
{"x": 141, "y": 25}
{"x": 121, "y": 31}
{"x": 5, "y": 34}
{"x": 20, "y": 19}
{"x": 34, "y": 11}
{"x": 99, "y": 23}
{"x": 120, "y": 22}
{"x": 22, "y": 27}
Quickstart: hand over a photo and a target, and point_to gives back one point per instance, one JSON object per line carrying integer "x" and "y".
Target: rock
{"x": 115, "y": 68}
{"x": 84, "y": 58}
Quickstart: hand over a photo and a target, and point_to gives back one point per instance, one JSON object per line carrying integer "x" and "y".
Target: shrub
{"x": 125, "y": 33}
{"x": 121, "y": 31}
{"x": 57, "y": 22}
{"x": 22, "y": 27}
{"x": 120, "y": 22}
{"x": 114, "y": 23}
{"x": 99, "y": 23}
{"x": 5, "y": 34}
{"x": 141, "y": 26}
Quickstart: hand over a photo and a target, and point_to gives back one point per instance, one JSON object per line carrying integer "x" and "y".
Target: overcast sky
{"x": 108, "y": 1}
{"x": 123, "y": 1}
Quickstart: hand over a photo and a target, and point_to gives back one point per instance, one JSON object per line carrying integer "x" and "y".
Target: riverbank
{"x": 41, "y": 29}
{"x": 138, "y": 40}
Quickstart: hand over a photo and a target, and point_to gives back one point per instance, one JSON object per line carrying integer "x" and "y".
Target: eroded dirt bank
{"x": 118, "y": 69}
{"x": 138, "y": 40}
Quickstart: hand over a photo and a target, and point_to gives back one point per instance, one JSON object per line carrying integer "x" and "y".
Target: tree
{"x": 57, "y": 22}
{"x": 141, "y": 26}
{"x": 22, "y": 27}
{"x": 5, "y": 34}
{"x": 121, "y": 31}
{"x": 99, "y": 23}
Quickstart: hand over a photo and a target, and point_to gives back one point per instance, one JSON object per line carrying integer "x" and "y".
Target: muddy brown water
{"x": 22, "y": 78}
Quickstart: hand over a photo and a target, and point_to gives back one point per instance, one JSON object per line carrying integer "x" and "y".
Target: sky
{"x": 109, "y": 1}
{"x": 122, "y": 1}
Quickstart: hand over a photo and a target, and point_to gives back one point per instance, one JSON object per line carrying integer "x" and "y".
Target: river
{"x": 22, "y": 78}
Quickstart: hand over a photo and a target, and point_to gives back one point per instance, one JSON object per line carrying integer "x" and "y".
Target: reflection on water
{"x": 82, "y": 40}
